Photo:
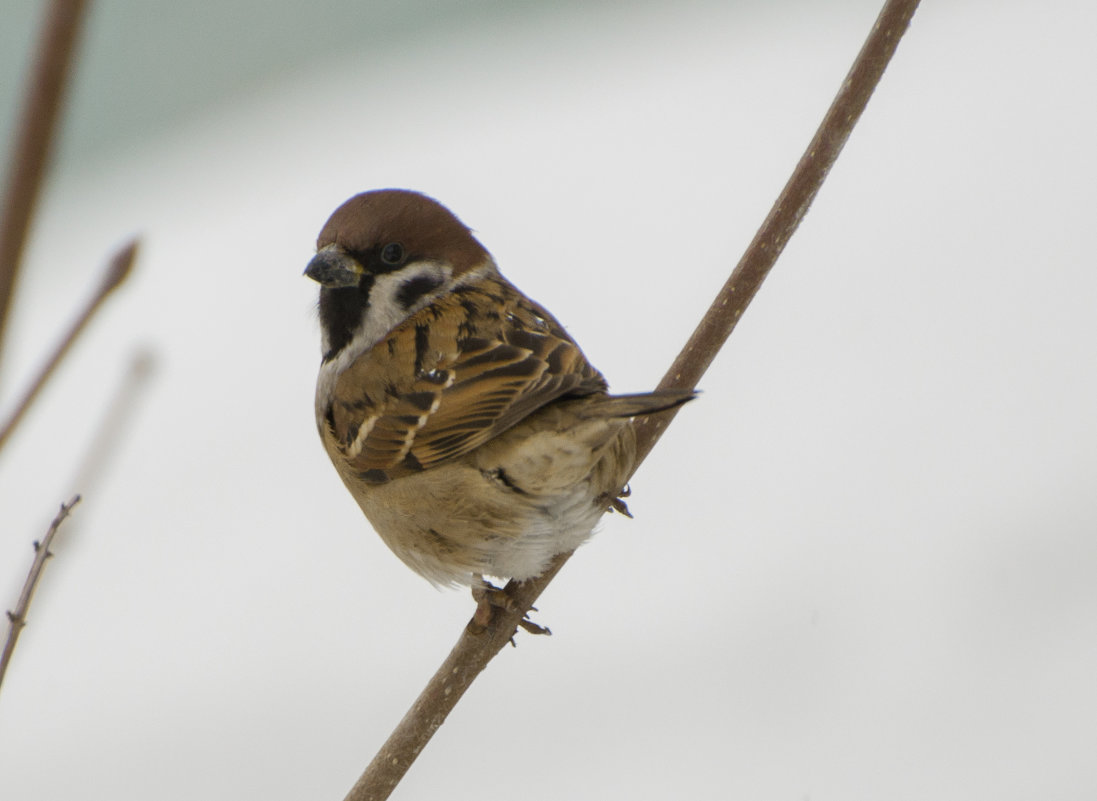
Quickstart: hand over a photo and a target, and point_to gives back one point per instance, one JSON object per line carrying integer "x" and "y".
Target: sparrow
{"x": 467, "y": 424}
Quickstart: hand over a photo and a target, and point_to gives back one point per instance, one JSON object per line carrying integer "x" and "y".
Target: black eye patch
{"x": 413, "y": 289}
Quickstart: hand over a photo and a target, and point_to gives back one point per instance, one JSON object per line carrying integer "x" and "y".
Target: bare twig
{"x": 17, "y": 617}
{"x": 44, "y": 93}
{"x": 117, "y": 271}
{"x": 473, "y": 651}
{"x": 117, "y": 415}
{"x": 784, "y": 218}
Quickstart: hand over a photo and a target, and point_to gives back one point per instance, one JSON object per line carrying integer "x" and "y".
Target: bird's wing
{"x": 451, "y": 377}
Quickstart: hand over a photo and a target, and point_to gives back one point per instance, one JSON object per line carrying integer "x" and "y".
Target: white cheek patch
{"x": 385, "y": 310}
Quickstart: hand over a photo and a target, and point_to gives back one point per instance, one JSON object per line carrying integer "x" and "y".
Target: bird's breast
{"x": 507, "y": 508}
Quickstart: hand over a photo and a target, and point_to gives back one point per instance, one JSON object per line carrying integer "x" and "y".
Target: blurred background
{"x": 864, "y": 562}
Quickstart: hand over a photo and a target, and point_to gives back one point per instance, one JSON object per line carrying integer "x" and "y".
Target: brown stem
{"x": 473, "y": 651}
{"x": 117, "y": 271}
{"x": 117, "y": 415}
{"x": 44, "y": 93}
{"x": 17, "y": 617}
{"x": 785, "y": 215}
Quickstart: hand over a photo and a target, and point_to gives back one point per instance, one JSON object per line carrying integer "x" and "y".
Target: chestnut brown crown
{"x": 423, "y": 227}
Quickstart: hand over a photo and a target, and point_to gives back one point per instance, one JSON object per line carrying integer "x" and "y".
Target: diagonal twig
{"x": 44, "y": 93}
{"x": 473, "y": 651}
{"x": 118, "y": 414}
{"x": 17, "y": 617}
{"x": 785, "y": 215}
{"x": 117, "y": 271}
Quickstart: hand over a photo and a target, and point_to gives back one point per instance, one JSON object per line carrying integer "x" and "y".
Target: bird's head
{"x": 381, "y": 257}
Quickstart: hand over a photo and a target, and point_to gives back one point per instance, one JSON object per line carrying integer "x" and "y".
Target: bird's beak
{"x": 333, "y": 268}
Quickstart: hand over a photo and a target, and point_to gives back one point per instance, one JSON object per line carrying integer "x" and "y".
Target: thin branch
{"x": 473, "y": 651}
{"x": 785, "y": 215}
{"x": 117, "y": 271}
{"x": 44, "y": 93}
{"x": 118, "y": 413}
{"x": 17, "y": 618}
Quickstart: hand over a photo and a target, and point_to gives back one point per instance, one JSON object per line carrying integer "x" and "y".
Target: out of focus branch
{"x": 473, "y": 651}
{"x": 17, "y": 617}
{"x": 118, "y": 415}
{"x": 116, "y": 420}
{"x": 117, "y": 271}
{"x": 42, "y": 102}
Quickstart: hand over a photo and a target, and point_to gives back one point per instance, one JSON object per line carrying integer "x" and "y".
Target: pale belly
{"x": 503, "y": 512}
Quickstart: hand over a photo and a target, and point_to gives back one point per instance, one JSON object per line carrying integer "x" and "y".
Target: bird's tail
{"x": 637, "y": 405}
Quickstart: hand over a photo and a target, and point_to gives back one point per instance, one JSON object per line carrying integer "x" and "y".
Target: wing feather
{"x": 451, "y": 377}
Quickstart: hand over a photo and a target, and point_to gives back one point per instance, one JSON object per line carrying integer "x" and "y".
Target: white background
{"x": 864, "y": 562}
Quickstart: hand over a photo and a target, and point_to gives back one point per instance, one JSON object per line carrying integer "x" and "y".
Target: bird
{"x": 470, "y": 428}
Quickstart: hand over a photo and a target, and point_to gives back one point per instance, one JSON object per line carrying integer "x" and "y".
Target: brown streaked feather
{"x": 452, "y": 376}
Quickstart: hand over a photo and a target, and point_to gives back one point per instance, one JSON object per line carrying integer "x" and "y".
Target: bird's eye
{"x": 392, "y": 253}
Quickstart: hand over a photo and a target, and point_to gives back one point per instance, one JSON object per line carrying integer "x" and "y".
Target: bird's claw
{"x": 488, "y": 598}
{"x": 617, "y": 502}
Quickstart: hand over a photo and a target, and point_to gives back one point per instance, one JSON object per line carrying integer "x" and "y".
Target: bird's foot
{"x": 488, "y": 598}
{"x": 617, "y": 502}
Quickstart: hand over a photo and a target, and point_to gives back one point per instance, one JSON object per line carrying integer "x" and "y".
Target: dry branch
{"x": 118, "y": 414}
{"x": 45, "y": 91}
{"x": 473, "y": 651}
{"x": 117, "y": 271}
{"x": 17, "y": 617}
